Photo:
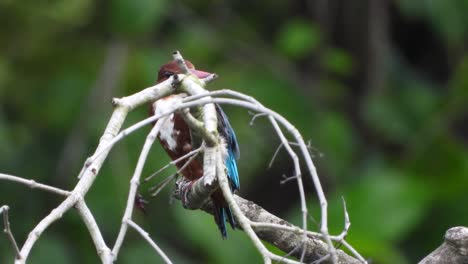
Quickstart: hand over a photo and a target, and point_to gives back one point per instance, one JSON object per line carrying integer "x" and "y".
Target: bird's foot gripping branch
{"x": 184, "y": 96}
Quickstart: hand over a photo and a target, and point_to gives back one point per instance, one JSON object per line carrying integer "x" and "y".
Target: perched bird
{"x": 177, "y": 140}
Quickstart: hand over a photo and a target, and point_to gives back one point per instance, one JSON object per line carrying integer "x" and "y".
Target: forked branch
{"x": 307, "y": 246}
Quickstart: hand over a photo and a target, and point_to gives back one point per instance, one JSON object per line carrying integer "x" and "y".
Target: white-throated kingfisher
{"x": 177, "y": 140}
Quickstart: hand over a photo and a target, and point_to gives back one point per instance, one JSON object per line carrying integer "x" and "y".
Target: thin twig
{"x": 186, "y": 163}
{"x": 309, "y": 146}
{"x": 255, "y": 116}
{"x": 174, "y": 162}
{"x": 254, "y": 105}
{"x": 6, "y": 224}
{"x": 146, "y": 236}
{"x": 90, "y": 171}
{"x": 286, "y": 178}
{"x": 123, "y": 106}
{"x": 291, "y": 252}
{"x": 33, "y": 184}
{"x": 347, "y": 223}
{"x": 213, "y": 162}
{"x": 197, "y": 125}
{"x": 274, "y": 155}
{"x": 240, "y": 217}
{"x": 101, "y": 248}
{"x": 134, "y": 183}
{"x": 309, "y": 233}
{"x": 159, "y": 187}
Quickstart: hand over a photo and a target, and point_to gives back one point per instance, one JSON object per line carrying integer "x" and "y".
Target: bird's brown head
{"x": 172, "y": 67}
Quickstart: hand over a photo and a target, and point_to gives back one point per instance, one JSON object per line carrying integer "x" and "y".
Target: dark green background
{"x": 380, "y": 88}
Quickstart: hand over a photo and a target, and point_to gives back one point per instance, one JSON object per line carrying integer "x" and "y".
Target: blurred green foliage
{"x": 297, "y": 38}
{"x": 396, "y": 151}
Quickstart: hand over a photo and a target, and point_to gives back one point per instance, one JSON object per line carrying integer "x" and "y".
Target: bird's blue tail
{"x": 221, "y": 213}
{"x": 221, "y": 209}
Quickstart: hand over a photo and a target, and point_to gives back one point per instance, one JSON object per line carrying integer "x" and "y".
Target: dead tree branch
{"x": 305, "y": 241}
{"x": 6, "y": 229}
{"x": 454, "y": 249}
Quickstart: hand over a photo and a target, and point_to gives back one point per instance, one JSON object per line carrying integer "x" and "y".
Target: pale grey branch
{"x": 6, "y": 229}
{"x": 454, "y": 249}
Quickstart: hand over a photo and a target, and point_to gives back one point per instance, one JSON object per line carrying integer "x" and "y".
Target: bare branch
{"x": 453, "y": 250}
{"x": 180, "y": 60}
{"x": 277, "y": 231}
{"x": 195, "y": 194}
{"x": 174, "y": 162}
{"x": 159, "y": 187}
{"x": 286, "y": 178}
{"x": 197, "y": 125}
{"x": 102, "y": 249}
{"x": 254, "y": 105}
{"x": 33, "y": 184}
{"x": 6, "y": 225}
{"x": 347, "y": 223}
{"x": 134, "y": 183}
{"x": 146, "y": 236}
{"x": 90, "y": 170}
{"x": 274, "y": 155}
{"x": 255, "y": 116}
{"x": 240, "y": 217}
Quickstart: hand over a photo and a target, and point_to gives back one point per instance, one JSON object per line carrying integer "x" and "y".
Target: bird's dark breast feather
{"x": 184, "y": 145}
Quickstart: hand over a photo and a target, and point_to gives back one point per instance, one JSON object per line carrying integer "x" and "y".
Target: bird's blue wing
{"x": 226, "y": 131}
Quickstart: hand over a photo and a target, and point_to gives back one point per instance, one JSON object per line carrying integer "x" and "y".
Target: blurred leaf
{"x": 387, "y": 201}
{"x": 336, "y": 141}
{"x": 399, "y": 112}
{"x": 134, "y": 17}
{"x": 447, "y": 17}
{"x": 412, "y": 7}
{"x": 63, "y": 98}
{"x": 202, "y": 44}
{"x": 383, "y": 205}
{"x": 458, "y": 93}
{"x": 297, "y": 38}
{"x": 377, "y": 251}
{"x": 5, "y": 74}
{"x": 337, "y": 61}
{"x": 67, "y": 12}
{"x": 142, "y": 68}
{"x": 447, "y": 157}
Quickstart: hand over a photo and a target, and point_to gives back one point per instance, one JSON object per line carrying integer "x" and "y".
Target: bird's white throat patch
{"x": 167, "y": 132}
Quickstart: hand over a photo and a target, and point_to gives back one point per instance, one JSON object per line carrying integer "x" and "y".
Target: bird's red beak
{"x": 200, "y": 74}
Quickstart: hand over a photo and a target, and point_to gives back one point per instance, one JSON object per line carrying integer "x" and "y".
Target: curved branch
{"x": 134, "y": 183}
{"x": 89, "y": 172}
{"x": 274, "y": 117}
{"x": 214, "y": 173}
{"x": 284, "y": 235}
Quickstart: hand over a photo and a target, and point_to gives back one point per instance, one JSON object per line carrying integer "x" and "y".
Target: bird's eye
{"x": 167, "y": 74}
